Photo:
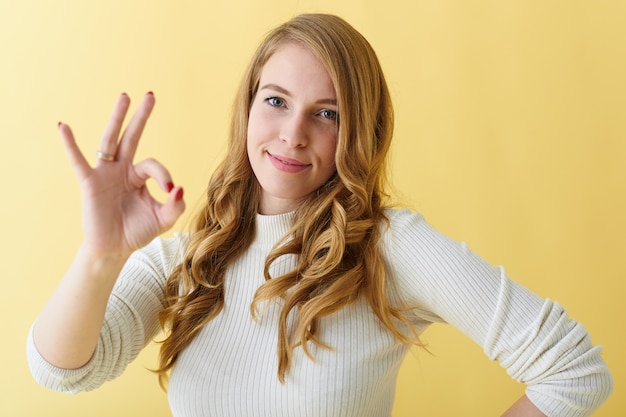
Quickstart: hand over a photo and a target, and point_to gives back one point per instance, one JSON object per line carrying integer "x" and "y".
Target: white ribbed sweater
{"x": 230, "y": 368}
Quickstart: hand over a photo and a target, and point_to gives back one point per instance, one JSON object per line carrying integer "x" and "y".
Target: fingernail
{"x": 124, "y": 94}
{"x": 179, "y": 195}
{"x": 59, "y": 124}
{"x": 169, "y": 186}
{"x": 150, "y": 93}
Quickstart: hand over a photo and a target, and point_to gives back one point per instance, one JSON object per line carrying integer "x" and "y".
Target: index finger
{"x": 132, "y": 133}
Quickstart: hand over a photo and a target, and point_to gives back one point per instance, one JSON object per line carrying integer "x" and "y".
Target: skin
{"x": 292, "y": 129}
{"x": 523, "y": 408}
{"x": 291, "y": 144}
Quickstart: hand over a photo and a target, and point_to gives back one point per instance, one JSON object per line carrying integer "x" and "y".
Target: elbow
{"x": 604, "y": 386}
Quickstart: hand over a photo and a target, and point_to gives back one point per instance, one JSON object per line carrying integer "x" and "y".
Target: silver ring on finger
{"x": 103, "y": 156}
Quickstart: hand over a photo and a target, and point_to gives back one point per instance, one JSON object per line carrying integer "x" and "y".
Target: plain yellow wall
{"x": 510, "y": 136}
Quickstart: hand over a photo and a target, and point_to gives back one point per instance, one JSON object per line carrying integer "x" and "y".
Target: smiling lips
{"x": 285, "y": 164}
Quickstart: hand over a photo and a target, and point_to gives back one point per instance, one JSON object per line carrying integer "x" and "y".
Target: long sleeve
{"x": 531, "y": 337}
{"x": 131, "y": 321}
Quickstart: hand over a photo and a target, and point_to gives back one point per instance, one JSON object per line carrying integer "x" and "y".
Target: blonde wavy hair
{"x": 335, "y": 231}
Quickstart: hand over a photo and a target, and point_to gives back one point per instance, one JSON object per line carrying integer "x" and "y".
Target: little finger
{"x": 77, "y": 159}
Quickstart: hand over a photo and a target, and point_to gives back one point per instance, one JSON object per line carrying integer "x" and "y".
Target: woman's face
{"x": 292, "y": 129}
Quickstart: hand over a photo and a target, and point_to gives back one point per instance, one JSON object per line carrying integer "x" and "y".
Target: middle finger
{"x": 132, "y": 133}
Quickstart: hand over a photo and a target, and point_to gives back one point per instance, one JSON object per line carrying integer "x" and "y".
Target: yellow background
{"x": 510, "y": 136}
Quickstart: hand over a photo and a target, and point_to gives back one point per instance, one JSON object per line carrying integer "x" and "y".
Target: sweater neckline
{"x": 271, "y": 228}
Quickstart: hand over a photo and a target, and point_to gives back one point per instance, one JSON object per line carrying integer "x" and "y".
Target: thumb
{"x": 172, "y": 209}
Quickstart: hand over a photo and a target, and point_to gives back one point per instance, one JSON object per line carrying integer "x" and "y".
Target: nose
{"x": 294, "y": 131}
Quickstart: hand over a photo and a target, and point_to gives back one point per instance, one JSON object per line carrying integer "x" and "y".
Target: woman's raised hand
{"x": 119, "y": 214}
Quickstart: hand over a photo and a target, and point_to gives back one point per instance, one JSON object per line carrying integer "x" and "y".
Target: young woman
{"x": 299, "y": 290}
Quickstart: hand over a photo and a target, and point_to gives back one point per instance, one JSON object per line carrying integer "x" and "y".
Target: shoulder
{"x": 409, "y": 235}
{"x": 402, "y": 216}
{"x": 162, "y": 253}
{"x": 402, "y": 224}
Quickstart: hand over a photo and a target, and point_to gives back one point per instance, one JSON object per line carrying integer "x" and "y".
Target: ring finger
{"x": 108, "y": 144}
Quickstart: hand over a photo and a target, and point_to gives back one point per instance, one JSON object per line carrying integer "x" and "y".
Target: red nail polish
{"x": 179, "y": 195}
{"x": 169, "y": 186}
{"x": 150, "y": 93}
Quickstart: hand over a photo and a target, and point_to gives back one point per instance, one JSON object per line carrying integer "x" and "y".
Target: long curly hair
{"x": 335, "y": 231}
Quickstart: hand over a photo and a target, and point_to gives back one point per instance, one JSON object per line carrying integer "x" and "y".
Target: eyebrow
{"x": 282, "y": 90}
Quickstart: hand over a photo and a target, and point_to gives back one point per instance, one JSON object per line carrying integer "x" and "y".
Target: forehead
{"x": 295, "y": 67}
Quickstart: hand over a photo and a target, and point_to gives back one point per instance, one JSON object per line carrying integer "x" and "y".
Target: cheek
{"x": 330, "y": 151}
{"x": 251, "y": 125}
{"x": 331, "y": 157}
{"x": 258, "y": 127}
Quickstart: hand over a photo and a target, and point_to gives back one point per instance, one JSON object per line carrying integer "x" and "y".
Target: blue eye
{"x": 275, "y": 101}
{"x": 329, "y": 114}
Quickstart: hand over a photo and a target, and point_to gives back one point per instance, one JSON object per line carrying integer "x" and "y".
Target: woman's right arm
{"x": 119, "y": 217}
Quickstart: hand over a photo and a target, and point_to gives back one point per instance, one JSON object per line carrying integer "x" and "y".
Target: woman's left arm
{"x": 533, "y": 338}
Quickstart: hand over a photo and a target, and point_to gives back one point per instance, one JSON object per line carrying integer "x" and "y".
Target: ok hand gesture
{"x": 119, "y": 214}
